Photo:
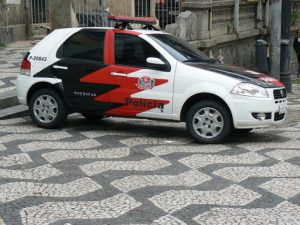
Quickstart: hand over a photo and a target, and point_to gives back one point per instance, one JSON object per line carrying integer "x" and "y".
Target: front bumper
{"x": 243, "y": 108}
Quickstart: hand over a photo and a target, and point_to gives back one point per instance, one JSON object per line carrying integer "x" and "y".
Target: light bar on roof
{"x": 138, "y": 20}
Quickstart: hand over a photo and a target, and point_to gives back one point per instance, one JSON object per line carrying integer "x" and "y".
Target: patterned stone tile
{"x": 172, "y": 201}
{"x": 13, "y": 191}
{"x": 24, "y": 129}
{"x": 15, "y": 159}
{"x": 12, "y": 121}
{"x": 285, "y": 213}
{"x": 10, "y": 70}
{"x": 283, "y": 155}
{"x": 1, "y": 221}
{"x": 284, "y": 187}
{"x": 187, "y": 179}
{"x": 165, "y": 220}
{"x": 2, "y": 147}
{"x": 7, "y": 65}
{"x": 238, "y": 174}
{"x": 48, "y": 137}
{"x": 7, "y": 89}
{"x": 58, "y": 156}
{"x": 35, "y": 146}
{"x": 165, "y": 150}
{"x": 290, "y": 135}
{"x": 51, "y": 212}
{"x": 168, "y": 220}
{"x": 198, "y": 161}
{"x": 37, "y": 173}
{"x": 6, "y": 75}
{"x": 131, "y": 142}
{"x": 102, "y": 133}
{"x": 151, "y": 164}
{"x": 259, "y": 146}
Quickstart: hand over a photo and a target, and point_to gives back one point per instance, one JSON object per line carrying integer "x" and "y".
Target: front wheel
{"x": 208, "y": 122}
{"x": 47, "y": 109}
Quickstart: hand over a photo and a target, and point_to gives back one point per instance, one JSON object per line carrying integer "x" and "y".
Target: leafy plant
{"x": 2, "y": 45}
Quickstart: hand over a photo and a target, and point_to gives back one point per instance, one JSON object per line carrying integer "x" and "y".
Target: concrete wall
{"x": 241, "y": 53}
{"x": 211, "y": 28}
{"x": 12, "y": 21}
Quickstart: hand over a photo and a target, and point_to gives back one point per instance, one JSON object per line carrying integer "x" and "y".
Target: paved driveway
{"x": 124, "y": 171}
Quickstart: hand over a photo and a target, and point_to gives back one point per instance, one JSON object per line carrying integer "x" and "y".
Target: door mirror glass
{"x": 155, "y": 61}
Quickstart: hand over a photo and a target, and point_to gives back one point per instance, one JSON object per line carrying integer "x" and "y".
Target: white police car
{"x": 146, "y": 74}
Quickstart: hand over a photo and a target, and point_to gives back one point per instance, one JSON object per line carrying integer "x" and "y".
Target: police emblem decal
{"x": 145, "y": 83}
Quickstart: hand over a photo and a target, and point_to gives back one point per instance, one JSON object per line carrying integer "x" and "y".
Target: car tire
{"x": 208, "y": 122}
{"x": 92, "y": 116}
{"x": 47, "y": 109}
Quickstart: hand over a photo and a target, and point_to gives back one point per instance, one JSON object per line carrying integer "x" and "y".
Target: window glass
{"x": 179, "y": 49}
{"x": 85, "y": 45}
{"x": 133, "y": 51}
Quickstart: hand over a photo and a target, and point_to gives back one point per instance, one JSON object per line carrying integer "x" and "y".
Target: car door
{"x": 81, "y": 67}
{"x": 144, "y": 90}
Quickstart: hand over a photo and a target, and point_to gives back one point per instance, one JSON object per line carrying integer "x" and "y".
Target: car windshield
{"x": 180, "y": 50}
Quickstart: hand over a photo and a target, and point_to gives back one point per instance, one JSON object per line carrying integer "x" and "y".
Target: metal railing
{"x": 166, "y": 11}
{"x": 95, "y": 13}
{"x": 40, "y": 11}
{"x": 91, "y": 15}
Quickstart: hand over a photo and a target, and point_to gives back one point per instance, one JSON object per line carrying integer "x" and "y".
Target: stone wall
{"x": 12, "y": 21}
{"x": 212, "y": 27}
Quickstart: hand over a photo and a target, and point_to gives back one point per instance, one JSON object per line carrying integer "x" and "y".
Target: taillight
{"x": 25, "y": 67}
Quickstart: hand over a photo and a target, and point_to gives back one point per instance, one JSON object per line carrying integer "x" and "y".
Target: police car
{"x": 144, "y": 73}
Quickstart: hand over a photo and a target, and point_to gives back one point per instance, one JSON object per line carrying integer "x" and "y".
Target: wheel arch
{"x": 44, "y": 84}
{"x": 199, "y": 97}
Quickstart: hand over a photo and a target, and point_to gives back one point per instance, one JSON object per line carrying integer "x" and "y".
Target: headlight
{"x": 251, "y": 90}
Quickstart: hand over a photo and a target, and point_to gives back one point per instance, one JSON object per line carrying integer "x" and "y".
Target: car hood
{"x": 241, "y": 74}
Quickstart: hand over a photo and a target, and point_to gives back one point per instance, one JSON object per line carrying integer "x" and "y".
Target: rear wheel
{"x": 208, "y": 122}
{"x": 47, "y": 109}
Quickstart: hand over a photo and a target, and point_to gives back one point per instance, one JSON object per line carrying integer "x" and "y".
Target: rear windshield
{"x": 180, "y": 50}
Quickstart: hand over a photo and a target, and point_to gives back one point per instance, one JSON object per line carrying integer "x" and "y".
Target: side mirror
{"x": 155, "y": 61}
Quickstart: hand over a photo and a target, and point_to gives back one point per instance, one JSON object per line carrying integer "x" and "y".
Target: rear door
{"x": 144, "y": 90}
{"x": 80, "y": 67}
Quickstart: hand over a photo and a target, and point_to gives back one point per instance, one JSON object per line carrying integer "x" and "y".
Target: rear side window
{"x": 85, "y": 45}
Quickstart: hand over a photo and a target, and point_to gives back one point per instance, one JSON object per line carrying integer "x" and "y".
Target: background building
{"x": 213, "y": 26}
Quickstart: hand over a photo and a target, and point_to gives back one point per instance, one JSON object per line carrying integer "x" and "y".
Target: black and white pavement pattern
{"x": 140, "y": 172}
{"x": 10, "y": 62}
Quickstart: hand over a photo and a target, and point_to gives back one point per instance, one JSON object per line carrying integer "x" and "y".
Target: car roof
{"x": 142, "y": 31}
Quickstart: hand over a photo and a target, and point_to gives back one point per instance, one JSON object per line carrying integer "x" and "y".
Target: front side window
{"x": 133, "y": 51}
{"x": 85, "y": 45}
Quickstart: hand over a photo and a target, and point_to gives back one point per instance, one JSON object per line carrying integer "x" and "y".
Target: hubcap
{"x": 45, "y": 108}
{"x": 208, "y": 122}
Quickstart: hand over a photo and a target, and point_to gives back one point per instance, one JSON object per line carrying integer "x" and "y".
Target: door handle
{"x": 119, "y": 74}
{"x": 60, "y": 67}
